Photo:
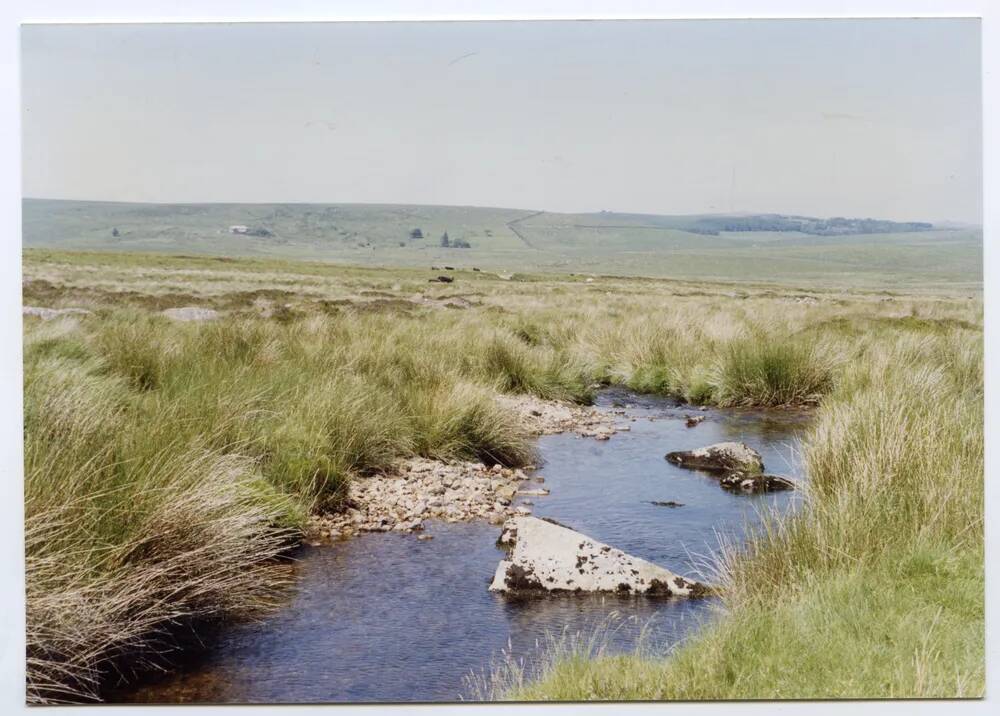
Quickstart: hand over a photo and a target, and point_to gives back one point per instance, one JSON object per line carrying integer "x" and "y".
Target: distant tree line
{"x": 837, "y": 226}
{"x": 450, "y": 243}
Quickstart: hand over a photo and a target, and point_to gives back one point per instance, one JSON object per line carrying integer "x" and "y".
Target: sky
{"x": 860, "y": 118}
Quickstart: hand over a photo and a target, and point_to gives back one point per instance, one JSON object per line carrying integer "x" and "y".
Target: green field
{"x": 510, "y": 240}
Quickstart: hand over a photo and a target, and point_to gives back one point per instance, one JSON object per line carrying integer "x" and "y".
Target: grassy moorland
{"x": 522, "y": 240}
{"x": 167, "y": 463}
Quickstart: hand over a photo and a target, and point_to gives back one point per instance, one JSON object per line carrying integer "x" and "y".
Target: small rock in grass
{"x": 191, "y": 313}
{"x": 47, "y": 313}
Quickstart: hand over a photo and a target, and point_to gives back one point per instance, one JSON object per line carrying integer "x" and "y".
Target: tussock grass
{"x": 124, "y": 537}
{"x": 167, "y": 463}
{"x": 757, "y": 371}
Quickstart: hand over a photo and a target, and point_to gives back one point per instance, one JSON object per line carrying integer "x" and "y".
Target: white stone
{"x": 549, "y": 557}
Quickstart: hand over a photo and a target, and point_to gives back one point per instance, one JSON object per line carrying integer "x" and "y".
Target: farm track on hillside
{"x": 518, "y": 234}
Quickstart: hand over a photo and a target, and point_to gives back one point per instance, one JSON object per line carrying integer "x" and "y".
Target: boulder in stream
{"x": 547, "y": 557}
{"x": 720, "y": 457}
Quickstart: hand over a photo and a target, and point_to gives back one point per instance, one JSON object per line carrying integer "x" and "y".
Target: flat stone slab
{"x": 547, "y": 557}
{"x": 191, "y": 313}
{"x": 48, "y": 313}
{"x": 720, "y": 457}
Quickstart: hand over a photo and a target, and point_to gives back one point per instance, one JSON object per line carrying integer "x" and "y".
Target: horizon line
{"x": 935, "y": 222}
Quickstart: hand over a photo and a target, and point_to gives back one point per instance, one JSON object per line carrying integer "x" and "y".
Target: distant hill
{"x": 763, "y": 247}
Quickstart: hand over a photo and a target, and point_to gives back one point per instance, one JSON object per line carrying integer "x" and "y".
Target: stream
{"x": 385, "y": 617}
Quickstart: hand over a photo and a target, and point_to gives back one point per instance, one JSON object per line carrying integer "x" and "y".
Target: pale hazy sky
{"x": 875, "y": 118}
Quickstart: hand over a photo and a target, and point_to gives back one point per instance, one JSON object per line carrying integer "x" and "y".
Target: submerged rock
{"x": 755, "y": 483}
{"x": 548, "y": 557}
{"x": 720, "y": 457}
{"x": 191, "y": 313}
{"x": 693, "y": 420}
{"x": 540, "y": 492}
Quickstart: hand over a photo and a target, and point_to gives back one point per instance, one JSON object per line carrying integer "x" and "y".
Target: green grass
{"x": 885, "y": 630}
{"x": 167, "y": 464}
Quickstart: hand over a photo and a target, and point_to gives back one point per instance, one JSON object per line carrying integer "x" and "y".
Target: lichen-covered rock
{"x": 720, "y": 457}
{"x": 547, "y": 557}
{"x": 743, "y": 482}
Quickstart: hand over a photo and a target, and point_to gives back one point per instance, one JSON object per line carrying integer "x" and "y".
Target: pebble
{"x": 419, "y": 489}
{"x": 549, "y": 417}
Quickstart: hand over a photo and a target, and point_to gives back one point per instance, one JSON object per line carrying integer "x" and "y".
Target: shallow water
{"x": 385, "y": 617}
